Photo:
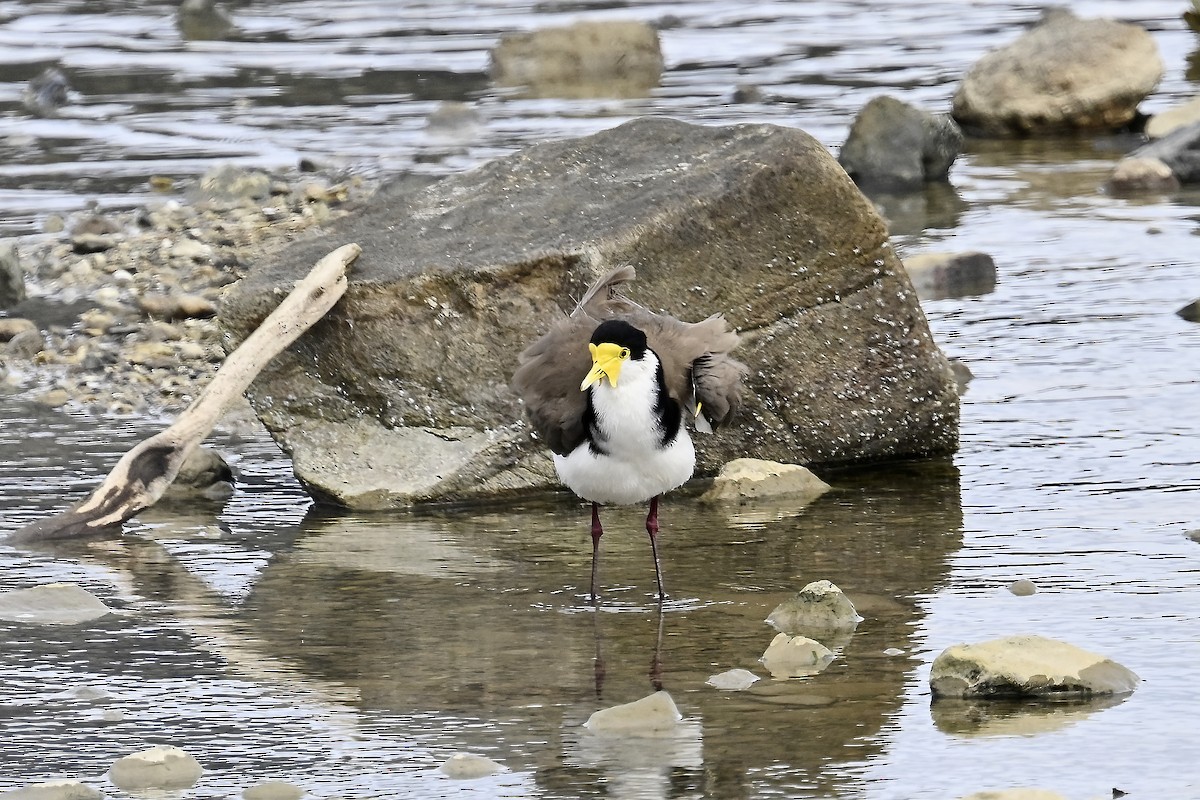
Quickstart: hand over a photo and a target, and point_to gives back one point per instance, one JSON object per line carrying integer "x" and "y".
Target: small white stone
{"x": 274, "y": 790}
{"x": 795, "y": 656}
{"x": 162, "y": 767}
{"x": 1023, "y": 587}
{"x": 734, "y": 680}
{"x": 655, "y": 714}
{"x": 468, "y": 766}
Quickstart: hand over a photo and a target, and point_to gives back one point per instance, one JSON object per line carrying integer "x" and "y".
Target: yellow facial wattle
{"x": 607, "y": 360}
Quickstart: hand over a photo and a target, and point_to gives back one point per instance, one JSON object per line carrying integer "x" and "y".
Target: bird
{"x": 610, "y": 390}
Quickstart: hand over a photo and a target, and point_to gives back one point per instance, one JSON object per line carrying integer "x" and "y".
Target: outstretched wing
{"x": 550, "y": 369}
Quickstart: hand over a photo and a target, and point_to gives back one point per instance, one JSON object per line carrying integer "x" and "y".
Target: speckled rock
{"x": 449, "y": 289}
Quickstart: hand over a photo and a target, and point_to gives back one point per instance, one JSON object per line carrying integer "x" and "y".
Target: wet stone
{"x": 468, "y": 766}
{"x": 162, "y": 767}
{"x": 51, "y": 604}
{"x": 1027, "y": 666}
{"x": 1023, "y": 587}
{"x": 654, "y": 714}
{"x": 819, "y": 608}
{"x": 274, "y": 790}
{"x": 795, "y": 656}
{"x": 747, "y": 478}
{"x": 733, "y": 680}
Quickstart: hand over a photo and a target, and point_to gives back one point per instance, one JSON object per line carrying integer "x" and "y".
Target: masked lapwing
{"x": 611, "y": 389}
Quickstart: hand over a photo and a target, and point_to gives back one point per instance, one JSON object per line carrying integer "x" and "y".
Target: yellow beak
{"x": 607, "y": 360}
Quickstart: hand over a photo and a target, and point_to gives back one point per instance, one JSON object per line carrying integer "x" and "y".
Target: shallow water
{"x": 353, "y": 654}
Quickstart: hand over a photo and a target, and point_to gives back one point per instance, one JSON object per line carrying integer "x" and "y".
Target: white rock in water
{"x": 1023, "y": 587}
{"x": 651, "y": 715}
{"x": 53, "y": 790}
{"x": 162, "y": 767}
{"x": 818, "y": 607}
{"x": 795, "y": 656}
{"x": 51, "y": 604}
{"x": 468, "y": 766}
{"x": 1022, "y": 666}
{"x": 747, "y": 478}
{"x": 734, "y": 680}
{"x": 274, "y": 790}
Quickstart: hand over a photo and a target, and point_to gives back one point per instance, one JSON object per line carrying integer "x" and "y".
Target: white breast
{"x": 633, "y": 466}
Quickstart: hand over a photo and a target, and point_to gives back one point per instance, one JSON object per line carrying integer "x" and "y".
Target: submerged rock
{"x": 937, "y": 276}
{"x": 400, "y": 395}
{"x": 734, "y": 680}
{"x": 204, "y": 473}
{"x": 468, "y": 766}
{"x": 748, "y": 478}
{"x": 274, "y": 790}
{"x": 162, "y": 767}
{"x": 795, "y": 656}
{"x": 1026, "y": 666}
{"x": 1067, "y": 74}
{"x": 655, "y": 714}
{"x": 51, "y": 604}
{"x": 54, "y": 790}
{"x": 817, "y": 609}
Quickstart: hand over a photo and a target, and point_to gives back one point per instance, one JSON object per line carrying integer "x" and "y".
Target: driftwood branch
{"x": 144, "y": 473}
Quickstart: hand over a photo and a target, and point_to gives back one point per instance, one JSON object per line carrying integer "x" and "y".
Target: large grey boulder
{"x": 896, "y": 146}
{"x": 1066, "y": 74}
{"x": 401, "y": 395}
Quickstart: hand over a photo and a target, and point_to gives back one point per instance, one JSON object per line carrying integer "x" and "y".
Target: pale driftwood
{"x": 144, "y": 473}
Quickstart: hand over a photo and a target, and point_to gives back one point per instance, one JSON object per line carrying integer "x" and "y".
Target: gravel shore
{"x": 119, "y": 309}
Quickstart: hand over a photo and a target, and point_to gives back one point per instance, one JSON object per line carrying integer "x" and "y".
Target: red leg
{"x": 597, "y": 532}
{"x": 652, "y": 529}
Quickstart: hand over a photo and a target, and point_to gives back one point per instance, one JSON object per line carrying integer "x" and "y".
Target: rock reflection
{"x": 1014, "y": 718}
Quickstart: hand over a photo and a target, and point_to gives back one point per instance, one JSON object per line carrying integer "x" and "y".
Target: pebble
{"x": 468, "y": 766}
{"x": 1023, "y": 587}
{"x": 113, "y": 260}
{"x": 734, "y": 680}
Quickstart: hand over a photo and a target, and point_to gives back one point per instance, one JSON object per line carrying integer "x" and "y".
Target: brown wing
{"x": 549, "y": 370}
{"x": 696, "y": 364}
